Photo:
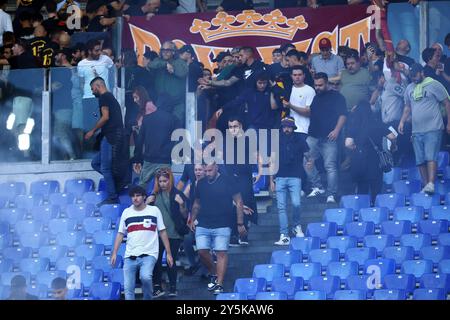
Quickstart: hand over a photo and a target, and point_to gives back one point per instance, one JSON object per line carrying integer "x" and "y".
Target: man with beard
{"x": 111, "y": 160}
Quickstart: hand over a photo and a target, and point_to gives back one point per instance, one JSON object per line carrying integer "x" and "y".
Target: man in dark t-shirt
{"x": 111, "y": 135}
{"x": 212, "y": 208}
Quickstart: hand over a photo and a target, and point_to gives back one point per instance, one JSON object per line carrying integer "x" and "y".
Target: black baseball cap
{"x": 222, "y": 55}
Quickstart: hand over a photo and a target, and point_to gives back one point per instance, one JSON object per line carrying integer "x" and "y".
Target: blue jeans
{"x": 329, "y": 152}
{"x": 102, "y": 163}
{"x": 283, "y": 186}
{"x": 145, "y": 266}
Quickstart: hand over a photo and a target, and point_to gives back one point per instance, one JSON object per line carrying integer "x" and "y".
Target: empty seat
{"x": 15, "y": 254}
{"x": 111, "y": 211}
{"x": 393, "y": 175}
{"x": 342, "y": 269}
{"x": 396, "y": 228}
{"x": 342, "y": 243}
{"x": 355, "y": 202}
{"x": 442, "y": 187}
{"x": 28, "y": 202}
{"x": 231, "y": 296}
{"x": 27, "y": 226}
{"x": 359, "y": 229}
{"x": 79, "y": 211}
{"x": 250, "y": 286}
{"x": 116, "y": 275}
{"x": 104, "y": 263}
{"x": 379, "y": 242}
{"x": 324, "y": 256}
{"x": 444, "y": 239}
{"x": 53, "y": 253}
{"x": 68, "y": 264}
{"x": 433, "y": 227}
{"x": 286, "y": 258}
{"x": 328, "y": 284}
{"x": 380, "y": 266}
{"x": 417, "y": 267}
{"x": 389, "y": 294}
{"x": 362, "y": 283}
{"x": 443, "y": 158}
{"x": 407, "y": 187}
{"x": 105, "y": 237}
{"x": 288, "y": 285}
{"x": 3, "y": 201}
{"x": 399, "y": 254}
{"x": 61, "y": 199}
{"x": 105, "y": 290}
{"x": 33, "y": 240}
{"x": 102, "y": 185}
{"x": 412, "y": 214}
{"x": 310, "y": 295}
{"x": 10, "y": 190}
{"x": 70, "y": 239}
{"x": 34, "y": 265}
{"x": 6, "y": 265}
{"x": 44, "y": 188}
{"x": 6, "y": 277}
{"x": 5, "y": 240}
{"x": 88, "y": 277}
{"x": 268, "y": 271}
{"x": 89, "y": 251}
{"x": 417, "y": 241}
{"x": 321, "y": 230}
{"x": 340, "y": 216}
{"x": 424, "y": 200}
{"x": 360, "y": 255}
{"x": 435, "y": 281}
{"x": 413, "y": 174}
{"x": 93, "y": 197}
{"x": 45, "y": 213}
{"x": 405, "y": 282}
{"x": 94, "y": 224}
{"x": 305, "y": 270}
{"x": 271, "y": 296}
{"x": 375, "y": 215}
{"x": 46, "y": 277}
{"x": 56, "y": 226}
{"x": 38, "y": 290}
{"x": 125, "y": 200}
{"x": 440, "y": 213}
{"x": 11, "y": 216}
{"x": 429, "y": 294}
{"x": 390, "y": 201}
{"x": 349, "y": 295}
{"x": 78, "y": 186}
{"x": 305, "y": 244}
{"x": 435, "y": 253}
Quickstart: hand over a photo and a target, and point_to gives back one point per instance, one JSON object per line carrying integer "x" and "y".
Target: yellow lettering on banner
{"x": 332, "y": 36}
{"x": 266, "y": 53}
{"x": 179, "y": 43}
{"x": 143, "y": 39}
{"x": 302, "y": 45}
{"x": 350, "y": 35}
{"x": 203, "y": 54}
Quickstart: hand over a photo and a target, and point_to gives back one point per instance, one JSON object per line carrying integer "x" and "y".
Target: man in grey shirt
{"x": 422, "y": 100}
{"x": 328, "y": 62}
{"x": 392, "y": 101}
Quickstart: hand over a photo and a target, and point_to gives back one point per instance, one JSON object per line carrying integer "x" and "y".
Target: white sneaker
{"x": 298, "y": 232}
{"x": 284, "y": 241}
{"x": 331, "y": 199}
{"x": 315, "y": 192}
{"x": 429, "y": 188}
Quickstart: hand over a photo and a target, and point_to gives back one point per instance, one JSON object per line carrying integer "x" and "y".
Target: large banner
{"x": 211, "y": 33}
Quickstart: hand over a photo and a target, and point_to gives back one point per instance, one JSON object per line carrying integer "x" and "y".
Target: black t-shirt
{"x": 216, "y": 202}
{"x": 430, "y": 72}
{"x": 95, "y": 25}
{"x": 405, "y": 59}
{"x": 44, "y": 50}
{"x": 326, "y": 109}
{"x": 195, "y": 73}
{"x": 250, "y": 73}
{"x": 229, "y": 5}
{"x": 292, "y": 148}
{"x": 114, "y": 122}
{"x": 188, "y": 173}
{"x": 242, "y": 161}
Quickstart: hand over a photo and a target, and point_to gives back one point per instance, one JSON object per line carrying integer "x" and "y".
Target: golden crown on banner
{"x": 250, "y": 25}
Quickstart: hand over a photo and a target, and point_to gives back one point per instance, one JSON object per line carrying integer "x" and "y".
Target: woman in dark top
{"x": 363, "y": 129}
{"x": 173, "y": 206}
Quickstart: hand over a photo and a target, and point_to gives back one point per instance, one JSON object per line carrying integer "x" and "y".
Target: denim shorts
{"x": 215, "y": 239}
{"x": 426, "y": 146}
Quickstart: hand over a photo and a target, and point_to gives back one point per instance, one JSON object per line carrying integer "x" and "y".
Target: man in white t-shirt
{"x": 142, "y": 224}
{"x": 95, "y": 65}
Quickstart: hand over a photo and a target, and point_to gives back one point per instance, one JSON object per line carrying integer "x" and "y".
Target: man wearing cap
{"x": 19, "y": 289}
{"x": 422, "y": 101}
{"x": 195, "y": 68}
{"x": 288, "y": 178}
{"x": 328, "y": 62}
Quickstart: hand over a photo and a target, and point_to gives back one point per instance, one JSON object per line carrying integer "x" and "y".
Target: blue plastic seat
{"x": 89, "y": 251}
{"x": 433, "y": 227}
{"x": 390, "y": 201}
{"x": 5, "y": 292}
{"x": 360, "y": 255}
{"x": 405, "y": 282}
{"x": 396, "y": 228}
{"x": 44, "y": 188}
{"x": 7, "y": 277}
{"x": 75, "y": 293}
{"x": 105, "y": 290}
{"x": 444, "y": 239}
{"x": 105, "y": 237}
{"x": 356, "y": 201}
{"x": 442, "y": 187}
{"x": 5, "y": 240}
{"x": 33, "y": 240}
{"x": 45, "y": 213}
{"x": 104, "y": 263}
{"x": 327, "y": 284}
{"x": 375, "y": 215}
{"x": 78, "y": 186}
{"x": 56, "y": 226}
{"x": 440, "y": 213}
{"x": 27, "y": 226}
{"x": 94, "y": 224}
{"x": 11, "y": 216}
{"x": 10, "y": 190}
{"x": 340, "y": 216}
{"x": 28, "y": 202}
{"x": 435, "y": 253}
{"x": 93, "y": 197}
{"x": 68, "y": 263}
{"x": 379, "y": 241}
{"x": 268, "y": 271}
{"x": 250, "y": 286}
{"x": 360, "y": 282}
{"x": 102, "y": 185}
{"x": 111, "y": 211}
{"x": 342, "y": 269}
{"x": 286, "y": 258}
{"x": 384, "y": 266}
{"x": 3, "y": 202}
{"x": 417, "y": 267}
{"x": 413, "y": 174}
{"x": 61, "y": 199}
{"x": 359, "y": 229}
{"x": 342, "y": 243}
{"x": 125, "y": 200}
{"x": 442, "y": 160}
{"x": 53, "y": 253}
{"x": 305, "y": 270}
{"x": 389, "y": 294}
{"x": 305, "y": 244}
{"x": 34, "y": 265}
{"x": 116, "y": 275}
{"x": 260, "y": 185}
{"x": 324, "y": 256}
{"x": 39, "y": 290}
{"x": 310, "y": 295}
{"x": 321, "y": 230}
{"x": 407, "y": 187}
{"x": 273, "y": 295}
{"x": 394, "y": 175}
{"x": 231, "y": 296}
{"x": 399, "y": 254}
{"x": 412, "y": 214}
{"x": 436, "y": 281}
{"x": 70, "y": 239}
{"x": 15, "y": 254}
{"x": 6, "y": 265}
{"x": 46, "y": 277}
{"x": 88, "y": 277}
{"x": 79, "y": 211}
{"x": 288, "y": 285}
{"x": 417, "y": 241}
{"x": 349, "y": 295}
{"x": 429, "y": 294}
